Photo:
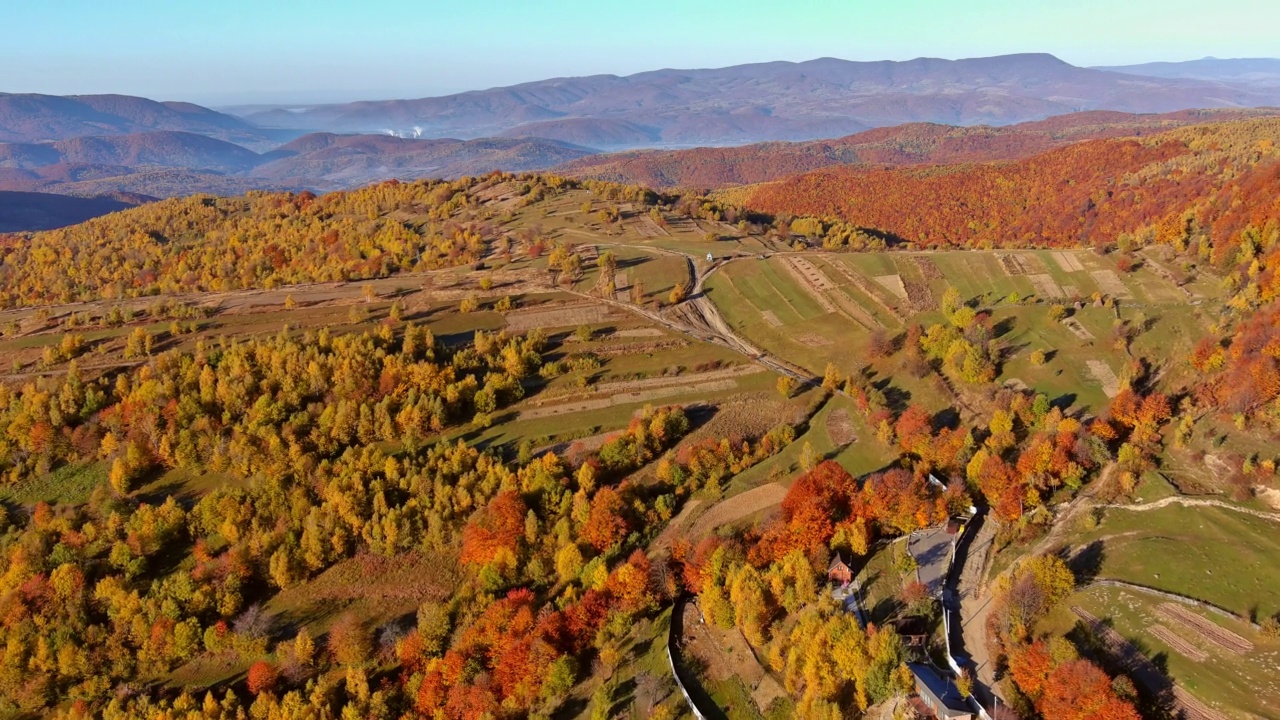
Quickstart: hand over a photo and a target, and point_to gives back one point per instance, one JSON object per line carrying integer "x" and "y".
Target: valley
{"x": 826, "y": 389}
{"x": 819, "y": 364}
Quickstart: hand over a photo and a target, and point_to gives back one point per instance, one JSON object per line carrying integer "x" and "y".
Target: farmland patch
{"x": 1105, "y": 376}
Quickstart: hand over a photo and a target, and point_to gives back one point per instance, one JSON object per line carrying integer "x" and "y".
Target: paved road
{"x": 932, "y": 549}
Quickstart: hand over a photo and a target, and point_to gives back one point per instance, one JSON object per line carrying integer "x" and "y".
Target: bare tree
{"x": 253, "y": 622}
{"x": 648, "y": 691}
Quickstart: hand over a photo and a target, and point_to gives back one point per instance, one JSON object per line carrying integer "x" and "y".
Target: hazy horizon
{"x": 238, "y": 52}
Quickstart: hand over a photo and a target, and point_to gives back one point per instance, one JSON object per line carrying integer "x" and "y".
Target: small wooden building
{"x": 839, "y": 571}
{"x": 913, "y": 629}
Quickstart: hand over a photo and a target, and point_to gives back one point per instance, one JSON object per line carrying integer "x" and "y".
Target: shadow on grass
{"x": 688, "y": 669}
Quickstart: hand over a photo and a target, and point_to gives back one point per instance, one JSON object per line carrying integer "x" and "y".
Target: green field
{"x": 765, "y": 303}
{"x": 1220, "y": 556}
{"x": 1242, "y": 686}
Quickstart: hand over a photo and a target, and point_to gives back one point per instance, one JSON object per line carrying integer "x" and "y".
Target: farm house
{"x": 939, "y": 694}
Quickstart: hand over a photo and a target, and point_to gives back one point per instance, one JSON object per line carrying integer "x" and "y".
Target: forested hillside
{"x": 910, "y": 144}
{"x": 1202, "y": 182}
{"x": 459, "y": 449}
{"x": 205, "y": 243}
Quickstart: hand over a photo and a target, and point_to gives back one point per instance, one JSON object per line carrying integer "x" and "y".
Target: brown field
{"x": 928, "y": 268}
{"x": 564, "y": 316}
{"x": 812, "y": 280}
{"x": 810, "y": 271}
{"x": 628, "y": 392}
{"x": 380, "y": 587}
{"x": 1068, "y": 261}
{"x": 1046, "y": 287}
{"x": 1077, "y": 329}
{"x": 1105, "y": 376}
{"x": 1020, "y": 264}
{"x": 738, "y": 507}
{"x": 646, "y": 227}
{"x": 747, "y": 416}
{"x": 1206, "y": 629}
{"x": 919, "y": 296}
{"x": 1111, "y": 283}
{"x": 1178, "y": 643}
{"x": 840, "y": 427}
{"x": 893, "y": 283}
{"x": 647, "y": 383}
{"x": 626, "y": 399}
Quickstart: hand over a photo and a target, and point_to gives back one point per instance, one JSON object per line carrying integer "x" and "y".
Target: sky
{"x": 225, "y": 52}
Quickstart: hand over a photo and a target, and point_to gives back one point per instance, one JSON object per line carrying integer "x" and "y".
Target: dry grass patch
{"x": 1111, "y": 283}
{"x": 840, "y": 427}
{"x": 564, "y": 316}
{"x": 1046, "y": 287}
{"x": 737, "y": 507}
{"x": 1020, "y": 264}
{"x": 1105, "y": 376}
{"x": 1068, "y": 261}
{"x": 893, "y": 283}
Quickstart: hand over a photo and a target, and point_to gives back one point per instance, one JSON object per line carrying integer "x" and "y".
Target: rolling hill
{"x": 1212, "y": 181}
{"x": 327, "y": 161}
{"x": 912, "y": 144}
{"x": 154, "y": 149}
{"x": 21, "y": 211}
{"x": 773, "y": 101}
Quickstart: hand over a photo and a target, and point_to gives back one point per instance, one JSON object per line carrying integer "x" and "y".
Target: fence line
{"x": 673, "y": 632}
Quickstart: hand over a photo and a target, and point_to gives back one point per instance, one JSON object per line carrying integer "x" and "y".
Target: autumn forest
{"x": 534, "y": 445}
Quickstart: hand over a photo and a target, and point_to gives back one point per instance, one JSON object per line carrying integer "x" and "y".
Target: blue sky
{"x": 244, "y": 51}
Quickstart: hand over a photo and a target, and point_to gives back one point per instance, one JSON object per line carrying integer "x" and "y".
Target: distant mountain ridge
{"x": 1250, "y": 72}
{"x": 773, "y": 101}
{"x": 326, "y": 160}
{"x": 901, "y": 145}
{"x": 167, "y": 163}
{"x": 165, "y": 148}
{"x": 941, "y": 111}
{"x": 28, "y": 118}
{"x": 39, "y": 211}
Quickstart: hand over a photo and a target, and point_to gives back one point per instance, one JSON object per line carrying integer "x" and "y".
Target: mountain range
{"x": 43, "y": 118}
{"x": 168, "y": 163}
{"x": 1260, "y": 73}
{"x": 774, "y": 101}
{"x": 892, "y": 113}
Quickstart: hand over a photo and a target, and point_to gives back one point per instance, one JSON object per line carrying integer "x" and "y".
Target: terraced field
{"x": 820, "y": 308}
{"x": 1234, "y": 685}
